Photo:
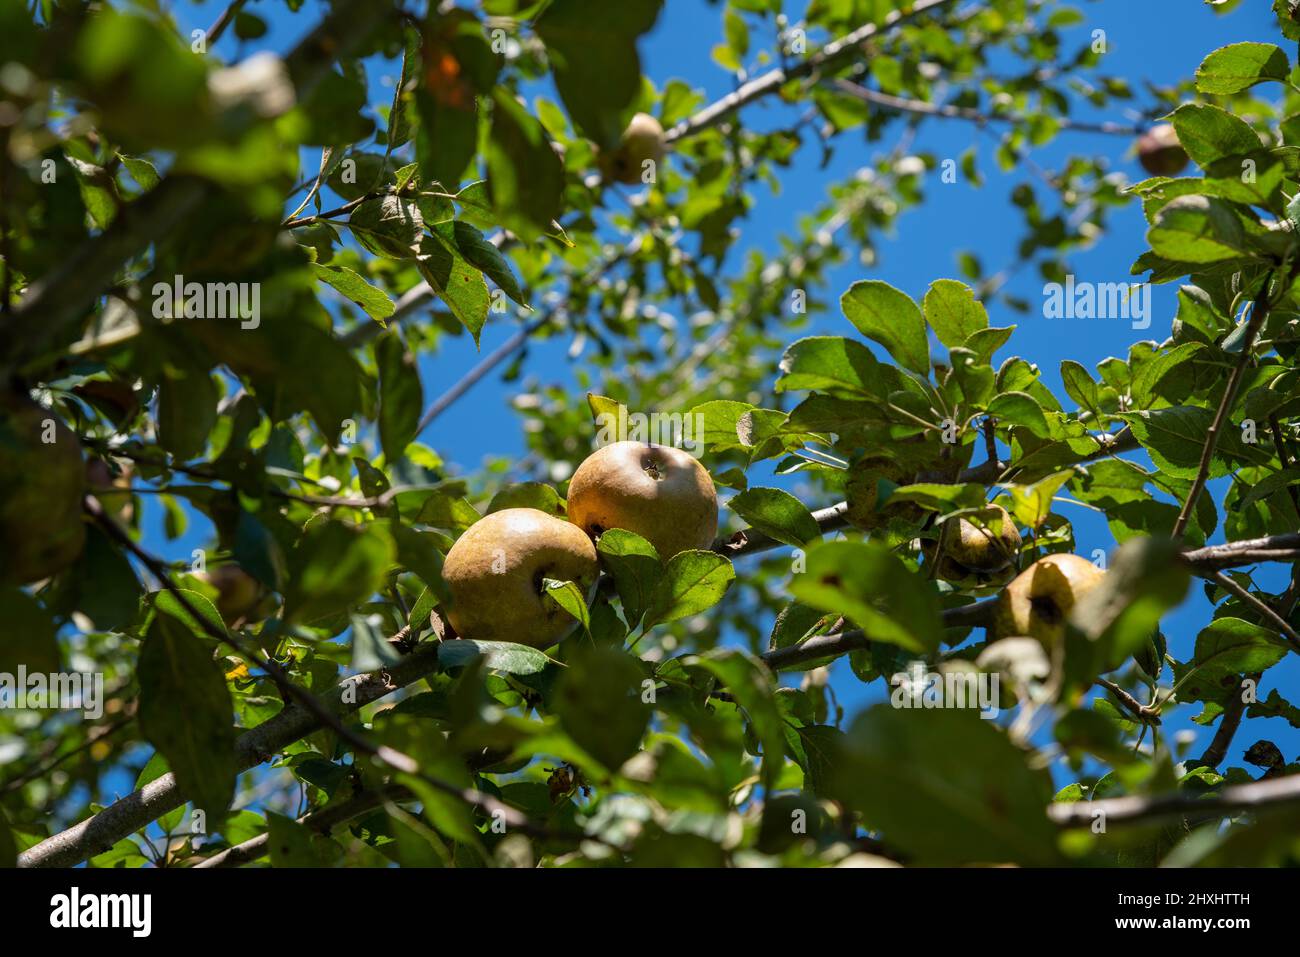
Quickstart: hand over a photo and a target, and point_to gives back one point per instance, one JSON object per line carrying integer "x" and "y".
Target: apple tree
{"x": 227, "y": 501}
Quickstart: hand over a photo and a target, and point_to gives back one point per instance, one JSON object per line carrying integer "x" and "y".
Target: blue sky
{"x": 1145, "y": 44}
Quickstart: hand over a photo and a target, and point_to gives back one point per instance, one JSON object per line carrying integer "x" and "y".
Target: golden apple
{"x": 1037, "y": 601}
{"x": 495, "y": 573}
{"x": 661, "y": 493}
{"x": 966, "y": 549}
{"x": 642, "y": 141}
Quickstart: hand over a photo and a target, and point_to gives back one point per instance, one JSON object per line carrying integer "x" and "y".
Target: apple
{"x": 1160, "y": 153}
{"x": 642, "y": 141}
{"x": 1037, "y": 601}
{"x": 495, "y": 573}
{"x": 661, "y": 493}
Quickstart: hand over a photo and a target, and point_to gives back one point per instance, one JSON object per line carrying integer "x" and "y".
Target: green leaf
{"x": 8, "y": 846}
{"x": 401, "y": 397}
{"x": 777, "y": 513}
{"x": 399, "y": 123}
{"x": 890, "y": 317}
{"x": 442, "y": 510}
{"x": 598, "y": 700}
{"x": 29, "y": 635}
{"x": 187, "y": 410}
{"x": 1198, "y": 229}
{"x": 1208, "y": 133}
{"x": 749, "y": 681}
{"x": 186, "y": 713}
{"x": 457, "y": 283}
{"x": 1118, "y": 617}
{"x": 866, "y": 583}
{"x": 570, "y": 597}
{"x": 536, "y": 495}
{"x": 207, "y": 625}
{"x": 594, "y": 61}
{"x": 504, "y": 656}
{"x": 141, "y": 170}
{"x": 953, "y": 312}
{"x": 483, "y": 255}
{"x": 334, "y": 566}
{"x": 1231, "y": 646}
{"x": 1080, "y": 386}
{"x": 693, "y": 581}
{"x": 829, "y": 363}
{"x": 374, "y": 301}
{"x": 1239, "y": 66}
{"x": 1175, "y": 437}
{"x": 296, "y": 845}
{"x": 721, "y": 418}
{"x": 1149, "y": 375}
{"x": 946, "y": 787}
{"x": 635, "y": 567}
{"x": 525, "y": 176}
{"x": 1020, "y": 408}
{"x": 371, "y": 648}
{"x": 388, "y": 226}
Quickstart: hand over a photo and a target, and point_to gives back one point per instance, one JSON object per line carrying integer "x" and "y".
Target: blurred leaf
{"x": 598, "y": 701}
{"x": 869, "y": 585}
{"x": 946, "y": 787}
{"x": 504, "y": 656}
{"x": 186, "y": 713}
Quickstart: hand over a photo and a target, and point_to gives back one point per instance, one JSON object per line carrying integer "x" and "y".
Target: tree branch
{"x": 773, "y": 80}
{"x": 101, "y": 831}
{"x": 1142, "y": 809}
{"x": 323, "y": 820}
{"x": 1258, "y": 313}
{"x": 976, "y": 614}
{"x": 950, "y": 111}
{"x": 62, "y": 296}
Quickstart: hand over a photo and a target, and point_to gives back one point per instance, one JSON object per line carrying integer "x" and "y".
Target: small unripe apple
{"x": 642, "y": 140}
{"x": 1038, "y": 601}
{"x": 239, "y": 594}
{"x": 42, "y": 478}
{"x": 496, "y": 571}
{"x": 661, "y": 493}
{"x": 1160, "y": 153}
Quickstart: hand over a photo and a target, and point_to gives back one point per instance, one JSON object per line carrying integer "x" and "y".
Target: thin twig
{"x": 950, "y": 111}
{"x": 1258, "y": 313}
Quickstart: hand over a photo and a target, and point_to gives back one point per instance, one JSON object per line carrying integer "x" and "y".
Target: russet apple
{"x": 1159, "y": 151}
{"x": 965, "y": 549}
{"x": 642, "y": 141}
{"x": 495, "y": 573}
{"x": 661, "y": 493}
{"x": 1037, "y": 601}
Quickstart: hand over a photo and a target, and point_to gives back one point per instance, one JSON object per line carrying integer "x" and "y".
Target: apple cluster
{"x": 496, "y": 570}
